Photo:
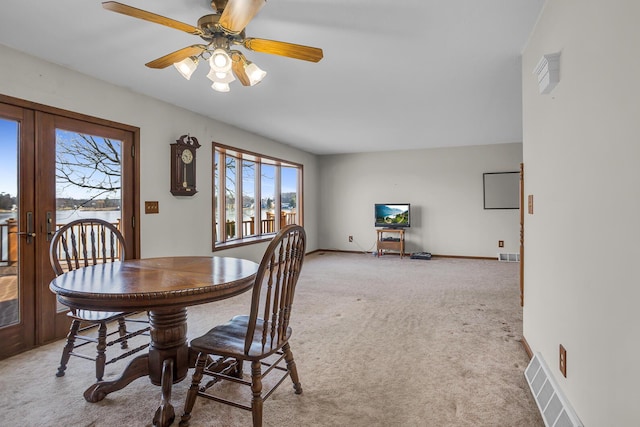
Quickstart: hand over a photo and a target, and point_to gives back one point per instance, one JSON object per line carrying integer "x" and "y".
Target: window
{"x": 262, "y": 194}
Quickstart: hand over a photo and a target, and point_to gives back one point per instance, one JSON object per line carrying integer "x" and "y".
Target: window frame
{"x": 219, "y": 205}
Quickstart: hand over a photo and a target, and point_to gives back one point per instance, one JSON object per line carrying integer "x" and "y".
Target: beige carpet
{"x": 377, "y": 341}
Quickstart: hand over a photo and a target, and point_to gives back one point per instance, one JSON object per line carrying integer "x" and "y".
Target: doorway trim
{"x": 35, "y": 279}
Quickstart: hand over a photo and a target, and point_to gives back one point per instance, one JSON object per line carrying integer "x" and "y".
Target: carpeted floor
{"x": 377, "y": 341}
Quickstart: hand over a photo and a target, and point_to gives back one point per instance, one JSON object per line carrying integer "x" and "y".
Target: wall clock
{"x": 183, "y": 166}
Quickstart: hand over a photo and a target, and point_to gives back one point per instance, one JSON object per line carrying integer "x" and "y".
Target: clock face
{"x": 187, "y": 156}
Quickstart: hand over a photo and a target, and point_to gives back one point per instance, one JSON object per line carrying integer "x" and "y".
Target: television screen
{"x": 392, "y": 215}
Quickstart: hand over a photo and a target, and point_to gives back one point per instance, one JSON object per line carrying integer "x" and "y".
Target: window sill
{"x": 243, "y": 242}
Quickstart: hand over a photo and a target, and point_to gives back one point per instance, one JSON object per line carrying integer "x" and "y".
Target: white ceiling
{"x": 395, "y": 75}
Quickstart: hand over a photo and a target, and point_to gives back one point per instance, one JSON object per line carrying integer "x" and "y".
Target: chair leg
{"x": 122, "y": 330}
{"x": 101, "y": 358}
{"x": 238, "y": 371}
{"x": 291, "y": 366}
{"x": 66, "y": 351}
{"x": 256, "y": 389}
{"x": 193, "y": 390}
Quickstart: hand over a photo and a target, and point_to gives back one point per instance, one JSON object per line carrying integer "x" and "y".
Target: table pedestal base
{"x": 166, "y": 363}
{"x": 138, "y": 367}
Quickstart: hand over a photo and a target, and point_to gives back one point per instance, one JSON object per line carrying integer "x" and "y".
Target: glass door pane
{"x": 268, "y": 201}
{"x": 216, "y": 195}
{"x": 248, "y": 198}
{"x": 230, "y": 197}
{"x": 9, "y": 289}
{"x": 289, "y": 196}
{"x": 88, "y": 179}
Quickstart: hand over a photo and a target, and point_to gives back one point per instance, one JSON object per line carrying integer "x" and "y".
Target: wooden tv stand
{"x": 390, "y": 239}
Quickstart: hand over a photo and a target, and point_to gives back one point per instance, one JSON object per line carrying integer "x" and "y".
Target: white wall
{"x": 444, "y": 187}
{"x": 183, "y": 226}
{"x": 581, "y": 149}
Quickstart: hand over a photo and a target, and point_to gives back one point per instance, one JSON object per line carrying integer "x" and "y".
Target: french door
{"x": 55, "y": 167}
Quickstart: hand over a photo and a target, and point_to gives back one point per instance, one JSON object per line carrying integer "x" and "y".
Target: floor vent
{"x": 555, "y": 409}
{"x": 508, "y": 257}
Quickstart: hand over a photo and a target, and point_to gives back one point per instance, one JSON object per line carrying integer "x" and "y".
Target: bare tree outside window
{"x": 88, "y": 169}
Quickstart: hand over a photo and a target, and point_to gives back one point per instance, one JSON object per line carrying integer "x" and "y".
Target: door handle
{"x": 50, "y": 231}
{"x": 29, "y": 233}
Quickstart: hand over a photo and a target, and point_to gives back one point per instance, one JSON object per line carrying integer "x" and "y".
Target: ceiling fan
{"x": 222, "y": 31}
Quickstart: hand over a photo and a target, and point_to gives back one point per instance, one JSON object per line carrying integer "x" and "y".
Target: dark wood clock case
{"x": 183, "y": 166}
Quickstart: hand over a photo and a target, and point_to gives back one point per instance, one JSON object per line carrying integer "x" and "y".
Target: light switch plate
{"x": 151, "y": 207}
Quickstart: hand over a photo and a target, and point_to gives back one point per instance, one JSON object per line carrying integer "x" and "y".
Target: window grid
{"x": 240, "y": 219}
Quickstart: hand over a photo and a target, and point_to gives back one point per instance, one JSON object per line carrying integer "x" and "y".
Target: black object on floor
{"x": 420, "y": 255}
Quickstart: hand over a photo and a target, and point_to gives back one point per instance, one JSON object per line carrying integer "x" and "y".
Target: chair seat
{"x": 96, "y": 316}
{"x": 228, "y": 340}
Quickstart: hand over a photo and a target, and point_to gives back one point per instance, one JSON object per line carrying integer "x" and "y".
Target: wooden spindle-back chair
{"x": 79, "y": 244}
{"x": 261, "y": 336}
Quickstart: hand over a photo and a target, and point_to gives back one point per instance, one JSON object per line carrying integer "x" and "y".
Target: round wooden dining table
{"x": 164, "y": 287}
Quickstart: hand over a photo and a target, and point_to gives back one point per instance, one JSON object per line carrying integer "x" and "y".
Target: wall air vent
{"x": 548, "y": 72}
{"x": 554, "y": 407}
{"x": 508, "y": 257}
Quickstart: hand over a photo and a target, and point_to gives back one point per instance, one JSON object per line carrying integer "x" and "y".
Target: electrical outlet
{"x": 350, "y": 239}
{"x": 501, "y": 243}
{"x": 563, "y": 360}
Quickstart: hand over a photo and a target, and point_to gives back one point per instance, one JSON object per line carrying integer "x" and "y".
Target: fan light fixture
{"x": 248, "y": 72}
{"x": 187, "y": 66}
{"x": 254, "y": 72}
{"x": 220, "y": 87}
{"x": 223, "y": 65}
{"x": 220, "y": 61}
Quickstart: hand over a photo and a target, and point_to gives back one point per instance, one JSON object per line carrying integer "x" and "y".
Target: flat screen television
{"x": 392, "y": 215}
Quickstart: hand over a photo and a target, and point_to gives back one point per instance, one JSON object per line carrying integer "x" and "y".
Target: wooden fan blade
{"x": 177, "y": 56}
{"x": 237, "y": 65}
{"x": 296, "y": 51}
{"x": 241, "y": 75}
{"x": 237, "y": 14}
{"x": 114, "y": 6}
